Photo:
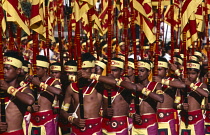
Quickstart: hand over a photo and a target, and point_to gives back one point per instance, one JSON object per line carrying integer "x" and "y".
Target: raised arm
{"x": 55, "y": 88}
{"x": 26, "y": 96}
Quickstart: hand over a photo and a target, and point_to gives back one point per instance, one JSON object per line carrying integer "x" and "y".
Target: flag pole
{"x": 109, "y": 47}
{"x": 141, "y": 36}
{"x": 90, "y": 30}
{"x": 185, "y": 71}
{"x": 35, "y": 53}
{"x": 133, "y": 29}
{"x": 125, "y": 4}
{"x": 172, "y": 31}
{"x": 59, "y": 32}
{"x": 2, "y": 93}
{"x": 79, "y": 65}
{"x": 47, "y": 29}
{"x": 207, "y": 44}
{"x": 157, "y": 39}
{"x": 69, "y": 22}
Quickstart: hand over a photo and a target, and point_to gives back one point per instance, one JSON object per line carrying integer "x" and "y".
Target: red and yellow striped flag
{"x": 167, "y": 15}
{"x": 188, "y": 20}
{"x": 37, "y": 16}
{"x": 14, "y": 10}
{"x": 144, "y": 7}
{"x": 3, "y": 21}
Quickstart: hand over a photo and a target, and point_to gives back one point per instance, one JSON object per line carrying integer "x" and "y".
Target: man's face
{"x": 162, "y": 72}
{"x": 98, "y": 70}
{"x": 192, "y": 75}
{"x": 10, "y": 73}
{"x": 40, "y": 71}
{"x": 93, "y": 70}
{"x": 22, "y": 73}
{"x": 130, "y": 71}
{"x": 116, "y": 72}
{"x": 70, "y": 73}
{"x": 143, "y": 73}
{"x": 88, "y": 70}
{"x": 56, "y": 74}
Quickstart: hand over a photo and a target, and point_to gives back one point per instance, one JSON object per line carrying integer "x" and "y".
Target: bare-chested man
{"x": 17, "y": 98}
{"x": 117, "y": 124}
{"x": 70, "y": 68}
{"x": 115, "y": 120}
{"x": 146, "y": 122}
{"x": 196, "y": 92}
{"x": 92, "y": 98}
{"x": 166, "y": 114}
{"x": 42, "y": 119}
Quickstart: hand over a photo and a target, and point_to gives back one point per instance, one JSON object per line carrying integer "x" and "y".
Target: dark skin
{"x": 124, "y": 106}
{"x": 98, "y": 70}
{"x": 120, "y": 105}
{"x": 43, "y": 102}
{"x": 168, "y": 100}
{"x": 92, "y": 102}
{"x": 17, "y": 107}
{"x": 131, "y": 75}
{"x": 55, "y": 73}
{"x": 145, "y": 106}
{"x": 193, "y": 104}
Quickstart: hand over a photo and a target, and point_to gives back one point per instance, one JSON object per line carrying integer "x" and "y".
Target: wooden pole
{"x": 2, "y": 93}
{"x": 157, "y": 39}
{"x": 109, "y": 49}
{"x": 125, "y": 4}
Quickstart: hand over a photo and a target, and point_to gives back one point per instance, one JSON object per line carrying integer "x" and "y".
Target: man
{"x": 121, "y": 98}
{"x": 146, "y": 122}
{"x": 166, "y": 114}
{"x": 55, "y": 69}
{"x": 120, "y": 101}
{"x": 24, "y": 74}
{"x": 70, "y": 68}
{"x": 177, "y": 67}
{"x": 122, "y": 48}
{"x": 115, "y": 120}
{"x": 24, "y": 83}
{"x": 42, "y": 120}
{"x": 17, "y": 98}
{"x": 92, "y": 102}
{"x": 197, "y": 91}
{"x": 100, "y": 67}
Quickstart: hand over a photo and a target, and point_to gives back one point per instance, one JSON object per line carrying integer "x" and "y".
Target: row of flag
{"x": 185, "y": 15}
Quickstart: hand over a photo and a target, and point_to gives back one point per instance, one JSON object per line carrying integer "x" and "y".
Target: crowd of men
{"x": 49, "y": 103}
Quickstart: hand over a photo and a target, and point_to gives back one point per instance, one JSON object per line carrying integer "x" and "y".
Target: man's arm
{"x": 202, "y": 90}
{"x": 155, "y": 96}
{"x": 105, "y": 79}
{"x": 55, "y": 88}
{"x": 175, "y": 83}
{"x": 25, "y": 97}
{"x": 66, "y": 103}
